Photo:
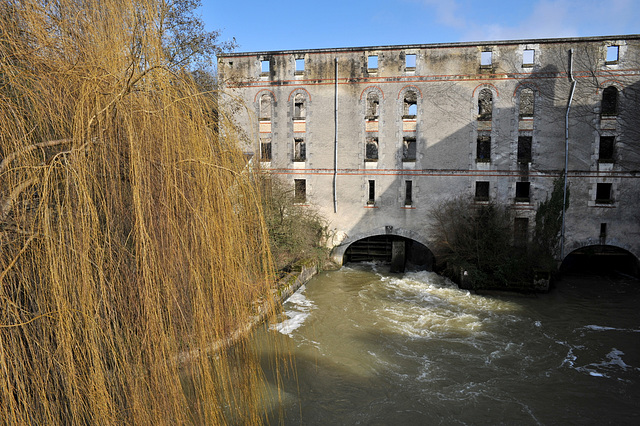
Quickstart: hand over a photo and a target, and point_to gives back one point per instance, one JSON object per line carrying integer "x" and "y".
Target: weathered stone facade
{"x": 397, "y": 129}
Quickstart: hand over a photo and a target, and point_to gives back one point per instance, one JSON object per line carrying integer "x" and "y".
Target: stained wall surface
{"x": 481, "y": 120}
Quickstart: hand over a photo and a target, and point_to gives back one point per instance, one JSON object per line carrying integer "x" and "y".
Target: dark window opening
{"x": 482, "y": 191}
{"x": 603, "y": 230}
{"x": 299, "y": 150}
{"x": 300, "y": 190}
{"x": 410, "y": 105}
{"x": 613, "y": 54}
{"x": 522, "y": 191}
{"x": 265, "y": 149}
{"x": 409, "y": 149}
{"x": 485, "y": 105}
{"x": 524, "y": 149}
{"x": 371, "y": 149}
{"x": 527, "y": 57}
{"x": 410, "y": 62}
{"x": 408, "y": 196}
{"x": 610, "y": 101}
{"x": 520, "y": 231}
{"x": 373, "y": 106}
{"x": 299, "y": 65}
{"x": 372, "y": 192}
{"x": 606, "y": 149}
{"x": 372, "y": 63}
{"x": 526, "y": 103}
{"x": 603, "y": 193}
{"x": 299, "y": 109}
{"x": 483, "y": 149}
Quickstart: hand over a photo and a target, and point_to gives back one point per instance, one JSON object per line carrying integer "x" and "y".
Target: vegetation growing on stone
{"x": 474, "y": 243}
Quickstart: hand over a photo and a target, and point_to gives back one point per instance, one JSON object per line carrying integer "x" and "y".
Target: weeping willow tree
{"x": 130, "y": 229}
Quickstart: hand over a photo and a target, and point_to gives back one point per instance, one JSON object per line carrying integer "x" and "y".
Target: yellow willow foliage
{"x": 131, "y": 237}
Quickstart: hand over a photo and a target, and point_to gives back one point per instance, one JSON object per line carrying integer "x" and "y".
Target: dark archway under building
{"x": 399, "y": 252}
{"x": 601, "y": 260}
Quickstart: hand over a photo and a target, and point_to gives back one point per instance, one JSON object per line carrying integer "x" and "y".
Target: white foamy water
{"x": 297, "y": 310}
{"x": 378, "y": 348}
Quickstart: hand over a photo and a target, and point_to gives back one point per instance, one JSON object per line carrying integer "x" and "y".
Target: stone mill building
{"x": 375, "y": 137}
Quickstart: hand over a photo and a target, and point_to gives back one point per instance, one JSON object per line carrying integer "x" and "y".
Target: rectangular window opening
{"x": 408, "y": 196}
{"x": 265, "y": 149}
{"x": 606, "y": 149}
{"x": 482, "y": 191}
{"x": 409, "y": 149}
{"x": 265, "y": 66}
{"x": 522, "y": 191}
{"x": 483, "y": 149}
{"x": 299, "y": 65}
{"x": 372, "y": 62}
{"x": 300, "y": 190}
{"x": 371, "y": 149}
{"x": 372, "y": 192}
{"x": 410, "y": 62}
{"x": 613, "y": 54}
{"x": 299, "y": 150}
{"x": 528, "y": 56}
{"x": 486, "y": 58}
{"x": 603, "y": 230}
{"x": 524, "y": 149}
{"x": 603, "y": 193}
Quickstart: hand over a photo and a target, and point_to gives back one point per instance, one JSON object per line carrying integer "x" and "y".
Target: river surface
{"x": 373, "y": 348}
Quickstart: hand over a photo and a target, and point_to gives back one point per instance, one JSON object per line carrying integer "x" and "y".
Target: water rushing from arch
{"x": 375, "y": 348}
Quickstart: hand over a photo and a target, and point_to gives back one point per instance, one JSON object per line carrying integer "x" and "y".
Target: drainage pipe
{"x": 566, "y": 152}
{"x": 335, "y": 140}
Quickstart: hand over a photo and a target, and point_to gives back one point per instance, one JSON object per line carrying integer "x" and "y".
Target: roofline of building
{"x": 433, "y": 45}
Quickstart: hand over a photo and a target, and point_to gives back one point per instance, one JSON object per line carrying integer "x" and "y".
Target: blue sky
{"x": 303, "y": 24}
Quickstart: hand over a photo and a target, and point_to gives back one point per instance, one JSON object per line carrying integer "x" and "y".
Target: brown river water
{"x": 373, "y": 348}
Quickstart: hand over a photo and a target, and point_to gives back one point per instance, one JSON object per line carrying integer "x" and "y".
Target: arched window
{"x": 485, "y": 105}
{"x": 373, "y": 105}
{"x": 410, "y": 104}
{"x": 299, "y": 107}
{"x": 610, "y": 101}
{"x": 526, "y": 103}
{"x": 265, "y": 107}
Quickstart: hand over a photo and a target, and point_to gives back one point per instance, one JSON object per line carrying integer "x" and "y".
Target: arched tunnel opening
{"x": 601, "y": 260}
{"x": 399, "y": 252}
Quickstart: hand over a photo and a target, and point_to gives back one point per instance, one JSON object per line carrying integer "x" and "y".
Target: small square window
{"x": 603, "y": 193}
{"x": 606, "y": 149}
{"x": 613, "y": 54}
{"x": 299, "y": 65}
{"x": 482, "y": 191}
{"x": 528, "y": 57}
{"x": 486, "y": 58}
{"x": 522, "y": 191}
{"x": 265, "y": 66}
{"x": 372, "y": 63}
{"x": 410, "y": 62}
{"x": 300, "y": 190}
